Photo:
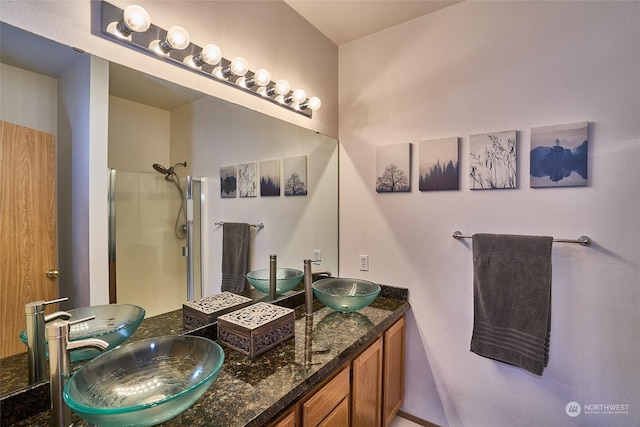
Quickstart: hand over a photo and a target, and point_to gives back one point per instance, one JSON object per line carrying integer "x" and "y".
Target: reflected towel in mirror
{"x": 235, "y": 256}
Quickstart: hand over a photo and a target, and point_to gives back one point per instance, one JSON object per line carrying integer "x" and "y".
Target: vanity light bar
{"x": 132, "y": 27}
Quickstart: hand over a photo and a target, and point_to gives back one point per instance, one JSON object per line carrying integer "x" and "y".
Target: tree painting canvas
{"x": 559, "y": 155}
{"x": 493, "y": 160}
{"x": 295, "y": 176}
{"x": 247, "y": 180}
{"x": 393, "y": 168}
{"x": 270, "y": 178}
{"x": 228, "y": 187}
{"x": 438, "y": 164}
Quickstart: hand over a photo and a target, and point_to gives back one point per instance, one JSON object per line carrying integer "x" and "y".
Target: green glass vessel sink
{"x": 286, "y": 279}
{"x": 345, "y": 295}
{"x": 113, "y": 323}
{"x": 145, "y": 382}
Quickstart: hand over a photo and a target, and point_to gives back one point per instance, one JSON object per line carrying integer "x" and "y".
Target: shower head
{"x": 159, "y": 168}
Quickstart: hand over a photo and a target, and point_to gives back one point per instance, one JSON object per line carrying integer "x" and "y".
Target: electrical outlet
{"x": 364, "y": 262}
{"x": 317, "y": 256}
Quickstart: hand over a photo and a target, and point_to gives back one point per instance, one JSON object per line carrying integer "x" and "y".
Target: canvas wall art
{"x": 228, "y": 187}
{"x": 393, "y": 168}
{"x": 270, "y": 178}
{"x": 493, "y": 160}
{"x": 247, "y": 180}
{"x": 438, "y": 164}
{"x": 295, "y": 176}
{"x": 559, "y": 155}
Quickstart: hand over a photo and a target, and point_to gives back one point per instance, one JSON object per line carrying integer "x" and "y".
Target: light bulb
{"x": 299, "y": 96}
{"x": 262, "y": 77}
{"x": 313, "y": 104}
{"x": 282, "y": 87}
{"x": 177, "y": 37}
{"x": 210, "y": 54}
{"x": 136, "y": 18}
{"x": 239, "y": 66}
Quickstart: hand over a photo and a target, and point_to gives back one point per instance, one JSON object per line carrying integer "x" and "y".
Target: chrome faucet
{"x": 36, "y": 320}
{"x": 308, "y": 291}
{"x": 273, "y": 269}
{"x": 60, "y": 365}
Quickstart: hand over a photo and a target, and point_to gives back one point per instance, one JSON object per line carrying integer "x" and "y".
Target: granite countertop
{"x": 254, "y": 391}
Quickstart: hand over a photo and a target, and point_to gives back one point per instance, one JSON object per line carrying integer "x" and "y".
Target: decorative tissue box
{"x": 257, "y": 328}
{"x": 206, "y": 310}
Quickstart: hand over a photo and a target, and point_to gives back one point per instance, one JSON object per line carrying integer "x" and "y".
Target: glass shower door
{"x": 148, "y": 242}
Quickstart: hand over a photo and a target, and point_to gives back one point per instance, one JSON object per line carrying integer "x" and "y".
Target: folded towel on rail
{"x": 512, "y": 299}
{"x": 235, "y": 256}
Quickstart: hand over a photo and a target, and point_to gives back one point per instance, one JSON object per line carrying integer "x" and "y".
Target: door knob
{"x": 53, "y": 274}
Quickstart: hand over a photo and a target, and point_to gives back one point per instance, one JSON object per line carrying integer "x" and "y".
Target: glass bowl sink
{"x": 286, "y": 279}
{"x": 114, "y": 323}
{"x": 345, "y": 295}
{"x": 144, "y": 382}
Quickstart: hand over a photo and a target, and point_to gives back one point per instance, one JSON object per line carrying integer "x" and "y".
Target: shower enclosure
{"x": 154, "y": 239}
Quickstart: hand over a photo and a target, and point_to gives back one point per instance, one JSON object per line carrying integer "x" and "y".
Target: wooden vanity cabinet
{"x": 367, "y": 392}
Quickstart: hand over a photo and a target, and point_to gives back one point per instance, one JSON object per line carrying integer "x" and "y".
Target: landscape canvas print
{"x": 393, "y": 168}
{"x": 493, "y": 160}
{"x": 559, "y": 155}
{"x": 270, "y": 178}
{"x": 228, "y": 188}
{"x": 295, "y": 176}
{"x": 438, "y": 164}
{"x": 247, "y": 180}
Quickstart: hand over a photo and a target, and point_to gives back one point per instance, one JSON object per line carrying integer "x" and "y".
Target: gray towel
{"x": 235, "y": 256}
{"x": 512, "y": 299}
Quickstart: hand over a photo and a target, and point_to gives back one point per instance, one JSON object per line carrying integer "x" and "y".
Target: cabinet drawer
{"x": 339, "y": 417}
{"x": 326, "y": 399}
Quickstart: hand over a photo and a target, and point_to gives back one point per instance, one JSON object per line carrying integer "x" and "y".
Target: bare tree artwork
{"x": 295, "y": 186}
{"x": 393, "y": 168}
{"x": 295, "y": 173}
{"x": 392, "y": 179}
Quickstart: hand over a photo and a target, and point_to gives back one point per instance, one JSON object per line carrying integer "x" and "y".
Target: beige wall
{"x": 483, "y": 67}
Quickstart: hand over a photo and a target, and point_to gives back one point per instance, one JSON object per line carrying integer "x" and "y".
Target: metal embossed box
{"x": 206, "y": 310}
{"x": 257, "y": 328}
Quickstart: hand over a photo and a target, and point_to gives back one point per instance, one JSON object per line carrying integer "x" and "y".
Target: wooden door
{"x": 393, "y": 381}
{"x": 366, "y": 392}
{"x": 28, "y": 228}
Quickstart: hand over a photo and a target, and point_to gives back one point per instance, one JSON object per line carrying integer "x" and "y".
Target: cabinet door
{"x": 367, "y": 387}
{"x": 393, "y": 381}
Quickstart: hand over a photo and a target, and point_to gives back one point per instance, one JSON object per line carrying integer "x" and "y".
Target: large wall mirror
{"x": 155, "y": 122}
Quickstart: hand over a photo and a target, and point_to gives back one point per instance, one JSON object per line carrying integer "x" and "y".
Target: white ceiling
{"x": 344, "y": 21}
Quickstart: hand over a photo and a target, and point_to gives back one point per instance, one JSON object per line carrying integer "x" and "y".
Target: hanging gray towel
{"x": 235, "y": 256}
{"x": 512, "y": 299}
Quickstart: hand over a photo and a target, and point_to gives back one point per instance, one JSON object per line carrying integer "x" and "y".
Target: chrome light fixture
{"x": 132, "y": 27}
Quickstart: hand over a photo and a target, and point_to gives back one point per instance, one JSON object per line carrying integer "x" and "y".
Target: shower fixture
{"x": 171, "y": 176}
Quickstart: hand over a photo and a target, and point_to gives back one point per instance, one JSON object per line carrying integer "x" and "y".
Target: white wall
{"x": 28, "y": 99}
{"x": 269, "y": 34}
{"x": 489, "y": 66}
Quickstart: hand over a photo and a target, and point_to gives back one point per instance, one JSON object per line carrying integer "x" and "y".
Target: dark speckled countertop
{"x": 254, "y": 391}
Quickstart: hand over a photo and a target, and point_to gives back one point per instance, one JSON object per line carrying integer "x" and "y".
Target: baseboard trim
{"x": 416, "y": 420}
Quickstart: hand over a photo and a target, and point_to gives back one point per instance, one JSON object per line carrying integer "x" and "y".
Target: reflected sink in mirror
{"x": 113, "y": 323}
{"x": 286, "y": 279}
{"x": 145, "y": 382}
{"x": 345, "y": 295}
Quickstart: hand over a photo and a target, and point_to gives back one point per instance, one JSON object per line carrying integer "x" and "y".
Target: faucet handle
{"x": 37, "y": 307}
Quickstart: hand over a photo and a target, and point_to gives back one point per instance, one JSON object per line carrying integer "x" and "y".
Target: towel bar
{"x": 583, "y": 240}
{"x": 257, "y": 226}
